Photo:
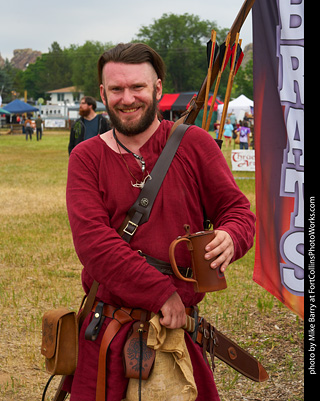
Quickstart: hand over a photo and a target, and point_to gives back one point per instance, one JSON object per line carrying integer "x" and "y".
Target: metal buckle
{"x": 135, "y": 226}
{"x": 206, "y": 334}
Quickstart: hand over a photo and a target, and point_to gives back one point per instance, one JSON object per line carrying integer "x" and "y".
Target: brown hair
{"x": 90, "y": 101}
{"x": 132, "y": 53}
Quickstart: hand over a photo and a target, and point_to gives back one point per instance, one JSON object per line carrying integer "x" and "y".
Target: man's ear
{"x": 102, "y": 94}
{"x": 159, "y": 89}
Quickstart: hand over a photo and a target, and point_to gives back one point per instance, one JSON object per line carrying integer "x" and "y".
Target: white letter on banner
{"x": 294, "y": 181}
{"x": 295, "y": 130}
{"x": 289, "y": 272}
{"x": 292, "y": 21}
{"x": 292, "y": 64}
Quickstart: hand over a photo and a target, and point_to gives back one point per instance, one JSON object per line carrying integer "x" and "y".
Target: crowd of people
{"x": 29, "y": 125}
{"x": 241, "y": 132}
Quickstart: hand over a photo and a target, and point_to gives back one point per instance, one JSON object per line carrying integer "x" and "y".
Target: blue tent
{"x": 17, "y": 106}
{"x": 3, "y": 111}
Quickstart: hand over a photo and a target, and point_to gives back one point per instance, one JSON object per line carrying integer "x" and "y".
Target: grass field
{"x": 39, "y": 270}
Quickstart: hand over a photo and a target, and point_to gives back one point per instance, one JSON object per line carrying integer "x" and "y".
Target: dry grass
{"x": 39, "y": 270}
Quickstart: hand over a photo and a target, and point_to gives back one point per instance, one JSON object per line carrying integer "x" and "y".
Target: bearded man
{"x": 105, "y": 176}
{"x": 88, "y": 125}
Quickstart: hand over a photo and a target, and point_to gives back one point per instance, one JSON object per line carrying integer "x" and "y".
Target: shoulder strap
{"x": 141, "y": 209}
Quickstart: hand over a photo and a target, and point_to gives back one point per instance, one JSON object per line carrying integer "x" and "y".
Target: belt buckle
{"x": 135, "y": 226}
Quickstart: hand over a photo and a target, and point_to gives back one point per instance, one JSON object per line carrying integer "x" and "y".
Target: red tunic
{"x": 99, "y": 194}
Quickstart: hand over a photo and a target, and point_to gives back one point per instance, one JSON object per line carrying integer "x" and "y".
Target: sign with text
{"x": 278, "y": 73}
{"x": 243, "y": 160}
{"x": 55, "y": 123}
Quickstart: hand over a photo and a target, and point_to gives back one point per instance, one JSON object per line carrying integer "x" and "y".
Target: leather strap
{"x": 141, "y": 209}
{"x": 217, "y": 344}
{"x": 60, "y": 394}
{"x": 111, "y": 331}
{"x": 119, "y": 317}
{"x": 164, "y": 267}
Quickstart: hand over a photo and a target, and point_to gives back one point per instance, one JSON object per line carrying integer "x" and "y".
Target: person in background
{"x": 216, "y": 127}
{"x": 228, "y": 129}
{"x": 233, "y": 120}
{"x": 28, "y": 128}
{"x": 89, "y": 124}
{"x": 244, "y": 132}
{"x": 38, "y": 122}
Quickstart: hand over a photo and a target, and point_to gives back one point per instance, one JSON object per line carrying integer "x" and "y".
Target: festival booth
{"x": 238, "y": 107}
{"x": 173, "y": 104}
{"x": 19, "y": 107}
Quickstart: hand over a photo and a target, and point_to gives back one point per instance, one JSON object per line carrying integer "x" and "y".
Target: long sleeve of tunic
{"x": 99, "y": 194}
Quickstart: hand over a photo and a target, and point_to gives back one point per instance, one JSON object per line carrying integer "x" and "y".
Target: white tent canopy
{"x": 238, "y": 107}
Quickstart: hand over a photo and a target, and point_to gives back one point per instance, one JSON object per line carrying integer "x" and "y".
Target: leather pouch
{"x": 137, "y": 342}
{"x": 60, "y": 341}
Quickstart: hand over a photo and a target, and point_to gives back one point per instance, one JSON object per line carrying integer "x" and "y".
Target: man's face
{"x": 84, "y": 108}
{"x": 130, "y": 93}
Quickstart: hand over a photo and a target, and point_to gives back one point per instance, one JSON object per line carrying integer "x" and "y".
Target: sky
{"x": 36, "y": 24}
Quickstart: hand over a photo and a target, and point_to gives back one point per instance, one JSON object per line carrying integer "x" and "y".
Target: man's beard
{"x": 132, "y": 129}
{"x": 84, "y": 113}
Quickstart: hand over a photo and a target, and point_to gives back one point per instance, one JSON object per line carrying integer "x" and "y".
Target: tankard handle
{"x": 172, "y": 248}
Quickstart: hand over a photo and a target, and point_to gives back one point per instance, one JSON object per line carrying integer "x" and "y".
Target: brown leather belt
{"x": 201, "y": 331}
{"x": 119, "y": 317}
{"x": 164, "y": 267}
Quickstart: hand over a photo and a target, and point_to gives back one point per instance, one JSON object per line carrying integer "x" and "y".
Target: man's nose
{"x": 128, "y": 96}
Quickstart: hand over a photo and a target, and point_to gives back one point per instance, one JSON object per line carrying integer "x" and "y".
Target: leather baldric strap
{"x": 141, "y": 209}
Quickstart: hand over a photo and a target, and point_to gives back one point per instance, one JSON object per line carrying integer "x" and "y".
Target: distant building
{"x": 56, "y": 110}
{"x": 65, "y": 96}
{"x": 63, "y": 106}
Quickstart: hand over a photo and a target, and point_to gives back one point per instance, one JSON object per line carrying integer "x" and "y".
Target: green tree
{"x": 243, "y": 83}
{"x": 51, "y": 71}
{"x": 11, "y": 82}
{"x": 59, "y": 70}
{"x": 181, "y": 42}
{"x": 84, "y": 66}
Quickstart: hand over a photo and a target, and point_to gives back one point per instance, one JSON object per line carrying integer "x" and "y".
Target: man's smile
{"x": 129, "y": 110}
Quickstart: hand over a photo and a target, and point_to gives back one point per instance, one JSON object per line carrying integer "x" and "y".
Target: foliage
{"x": 179, "y": 39}
{"x": 84, "y": 66}
{"x": 243, "y": 83}
{"x": 181, "y": 42}
{"x": 11, "y": 82}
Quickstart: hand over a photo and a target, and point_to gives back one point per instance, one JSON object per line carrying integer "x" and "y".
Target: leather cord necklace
{"x": 140, "y": 158}
{"x": 143, "y": 164}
